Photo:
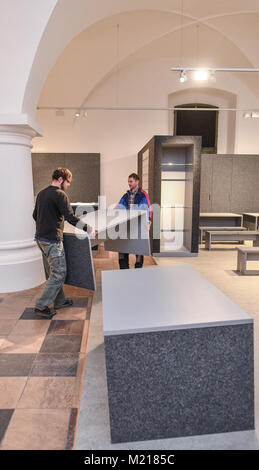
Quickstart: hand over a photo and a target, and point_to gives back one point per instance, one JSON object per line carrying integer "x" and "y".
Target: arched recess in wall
{"x": 198, "y": 123}
{"x": 215, "y": 97}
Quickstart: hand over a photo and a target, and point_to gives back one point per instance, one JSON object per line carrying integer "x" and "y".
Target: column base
{"x": 21, "y": 267}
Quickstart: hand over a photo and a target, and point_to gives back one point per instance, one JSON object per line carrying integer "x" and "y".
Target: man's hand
{"x": 93, "y": 233}
{"x": 149, "y": 224}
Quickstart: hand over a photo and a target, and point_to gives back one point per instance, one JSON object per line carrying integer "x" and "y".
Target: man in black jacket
{"x": 51, "y": 208}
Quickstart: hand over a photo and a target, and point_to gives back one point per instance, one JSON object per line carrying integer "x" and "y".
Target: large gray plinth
{"x": 185, "y": 368}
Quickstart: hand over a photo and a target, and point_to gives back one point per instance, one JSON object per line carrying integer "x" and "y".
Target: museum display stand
{"x": 176, "y": 364}
{"x": 169, "y": 169}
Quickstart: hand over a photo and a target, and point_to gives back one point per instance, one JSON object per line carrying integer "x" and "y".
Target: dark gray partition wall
{"x": 169, "y": 169}
{"x": 190, "y": 235}
{"x": 229, "y": 183}
{"x": 85, "y": 168}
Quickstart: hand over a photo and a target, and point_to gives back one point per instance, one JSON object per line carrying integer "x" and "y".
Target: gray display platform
{"x": 251, "y": 220}
{"x": 219, "y": 219}
{"x": 179, "y": 361}
{"x": 123, "y": 231}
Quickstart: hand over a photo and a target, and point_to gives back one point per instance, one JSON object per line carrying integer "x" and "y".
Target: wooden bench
{"x": 204, "y": 229}
{"x": 233, "y": 235}
{"x": 245, "y": 254}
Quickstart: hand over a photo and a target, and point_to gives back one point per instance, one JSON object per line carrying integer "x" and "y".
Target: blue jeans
{"x": 54, "y": 261}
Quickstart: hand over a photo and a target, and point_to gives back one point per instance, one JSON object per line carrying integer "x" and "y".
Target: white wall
{"x": 119, "y": 135}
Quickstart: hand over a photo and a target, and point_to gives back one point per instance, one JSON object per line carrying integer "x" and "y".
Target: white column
{"x": 20, "y": 259}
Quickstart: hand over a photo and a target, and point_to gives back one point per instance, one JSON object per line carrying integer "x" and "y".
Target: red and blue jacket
{"x": 141, "y": 201}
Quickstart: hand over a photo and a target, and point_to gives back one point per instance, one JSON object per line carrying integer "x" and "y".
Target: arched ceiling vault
{"x": 68, "y": 21}
{"x": 252, "y": 82}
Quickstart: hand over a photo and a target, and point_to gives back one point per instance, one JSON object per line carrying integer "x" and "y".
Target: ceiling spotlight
{"x": 247, "y": 115}
{"x": 77, "y": 114}
{"x": 201, "y": 75}
{"x": 255, "y": 114}
{"x": 183, "y": 76}
{"x": 85, "y": 114}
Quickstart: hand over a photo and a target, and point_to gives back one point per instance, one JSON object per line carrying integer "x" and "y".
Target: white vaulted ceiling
{"x": 78, "y": 49}
{"x": 101, "y": 50}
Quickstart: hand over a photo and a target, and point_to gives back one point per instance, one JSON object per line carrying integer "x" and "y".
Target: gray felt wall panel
{"x": 80, "y": 270}
{"x": 85, "y": 168}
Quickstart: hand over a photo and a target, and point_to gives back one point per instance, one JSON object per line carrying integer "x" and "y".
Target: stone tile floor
{"x": 219, "y": 267}
{"x": 41, "y": 370}
{"x": 42, "y": 365}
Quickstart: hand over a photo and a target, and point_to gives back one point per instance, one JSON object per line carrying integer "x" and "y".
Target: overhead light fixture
{"x": 208, "y": 73}
{"x": 84, "y": 114}
{"x": 77, "y": 114}
{"x": 253, "y": 114}
{"x": 201, "y": 75}
{"x": 183, "y": 76}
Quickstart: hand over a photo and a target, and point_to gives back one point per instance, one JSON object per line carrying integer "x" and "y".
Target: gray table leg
{"x": 207, "y": 241}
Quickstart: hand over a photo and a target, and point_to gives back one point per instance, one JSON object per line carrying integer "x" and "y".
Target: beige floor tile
{"x": 7, "y": 313}
{"x": 50, "y": 392}
{"x": 19, "y": 344}
{"x": 18, "y": 301}
{"x": 10, "y": 391}
{"x": 6, "y": 326}
{"x": 75, "y": 313}
{"x": 40, "y": 429}
{"x": 31, "y": 327}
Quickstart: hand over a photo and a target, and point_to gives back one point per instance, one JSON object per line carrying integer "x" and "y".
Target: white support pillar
{"x": 20, "y": 259}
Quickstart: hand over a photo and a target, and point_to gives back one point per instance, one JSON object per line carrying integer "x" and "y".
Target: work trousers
{"x": 124, "y": 261}
{"x": 55, "y": 270}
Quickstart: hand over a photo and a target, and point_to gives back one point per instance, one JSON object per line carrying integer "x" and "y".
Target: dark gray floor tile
{"x": 16, "y": 365}
{"x": 61, "y": 343}
{"x": 5, "y": 417}
{"x": 55, "y": 365}
{"x": 66, "y": 327}
{"x": 29, "y": 314}
{"x": 80, "y": 302}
